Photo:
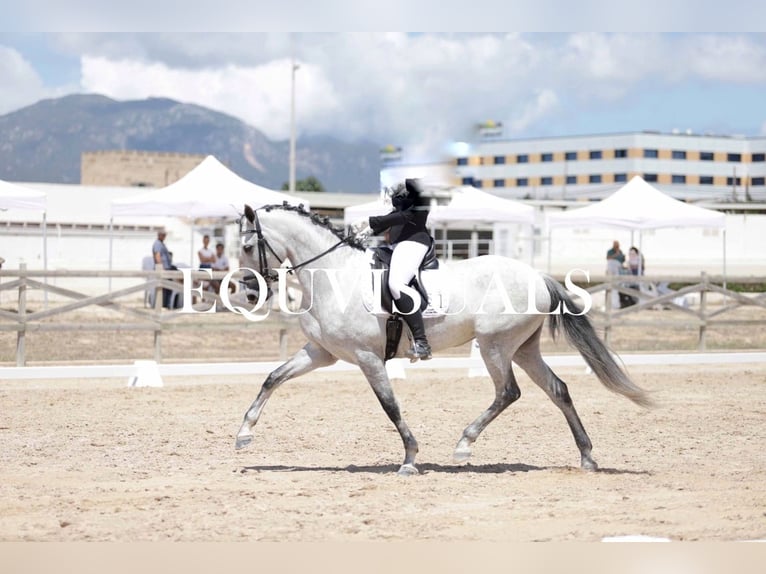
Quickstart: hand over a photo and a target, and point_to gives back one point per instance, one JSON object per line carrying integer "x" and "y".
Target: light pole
{"x": 292, "y": 127}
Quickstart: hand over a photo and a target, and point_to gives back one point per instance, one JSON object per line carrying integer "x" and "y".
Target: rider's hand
{"x": 361, "y": 230}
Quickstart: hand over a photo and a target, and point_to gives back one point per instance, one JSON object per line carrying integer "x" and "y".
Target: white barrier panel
{"x": 192, "y": 369}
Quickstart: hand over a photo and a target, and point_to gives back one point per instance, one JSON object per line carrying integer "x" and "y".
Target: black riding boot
{"x": 414, "y": 319}
{"x": 420, "y": 347}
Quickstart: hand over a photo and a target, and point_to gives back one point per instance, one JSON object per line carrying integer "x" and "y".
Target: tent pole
{"x": 191, "y": 246}
{"x": 111, "y": 241}
{"x": 640, "y": 251}
{"x": 549, "y": 251}
{"x": 45, "y": 254}
{"x": 724, "y": 264}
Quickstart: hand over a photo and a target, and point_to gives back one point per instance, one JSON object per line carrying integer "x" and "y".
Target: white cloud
{"x": 259, "y": 95}
{"x": 726, "y": 58}
{"x": 538, "y": 108}
{"x": 413, "y": 90}
{"x": 21, "y": 84}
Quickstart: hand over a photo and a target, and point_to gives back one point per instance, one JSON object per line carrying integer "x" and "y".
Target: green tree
{"x": 309, "y": 184}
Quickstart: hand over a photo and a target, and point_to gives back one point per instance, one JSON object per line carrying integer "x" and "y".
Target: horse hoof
{"x": 461, "y": 455}
{"x": 243, "y": 441}
{"x": 407, "y": 470}
{"x": 589, "y": 464}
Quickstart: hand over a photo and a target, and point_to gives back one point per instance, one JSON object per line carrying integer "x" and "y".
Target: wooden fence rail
{"x": 153, "y": 318}
{"x": 156, "y": 319}
{"x": 646, "y": 294}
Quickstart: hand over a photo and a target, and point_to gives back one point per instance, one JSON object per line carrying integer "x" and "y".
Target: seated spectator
{"x": 221, "y": 264}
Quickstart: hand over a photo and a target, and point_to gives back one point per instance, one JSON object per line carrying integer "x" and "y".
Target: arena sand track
{"x": 95, "y": 460}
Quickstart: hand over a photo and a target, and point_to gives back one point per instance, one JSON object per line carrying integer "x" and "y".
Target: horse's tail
{"x": 581, "y": 334}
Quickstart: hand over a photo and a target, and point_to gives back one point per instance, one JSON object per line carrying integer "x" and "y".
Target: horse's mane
{"x": 321, "y": 221}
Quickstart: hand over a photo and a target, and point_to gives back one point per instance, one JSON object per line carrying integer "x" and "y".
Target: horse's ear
{"x": 249, "y": 213}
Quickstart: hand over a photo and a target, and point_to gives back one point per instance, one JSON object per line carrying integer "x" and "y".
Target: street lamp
{"x": 292, "y": 127}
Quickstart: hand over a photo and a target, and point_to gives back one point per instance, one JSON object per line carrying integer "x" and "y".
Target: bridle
{"x": 263, "y": 245}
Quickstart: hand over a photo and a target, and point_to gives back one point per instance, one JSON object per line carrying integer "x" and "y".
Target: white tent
{"x": 18, "y": 197}
{"x": 14, "y": 196}
{"x": 471, "y": 205}
{"x": 209, "y": 190}
{"x": 638, "y": 205}
{"x": 355, "y": 213}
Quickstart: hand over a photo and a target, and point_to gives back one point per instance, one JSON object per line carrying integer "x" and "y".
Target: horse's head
{"x": 256, "y": 254}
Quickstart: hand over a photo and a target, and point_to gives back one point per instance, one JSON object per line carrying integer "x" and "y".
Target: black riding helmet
{"x": 405, "y": 196}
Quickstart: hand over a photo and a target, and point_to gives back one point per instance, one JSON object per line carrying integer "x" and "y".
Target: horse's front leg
{"x": 310, "y": 357}
{"x": 374, "y": 370}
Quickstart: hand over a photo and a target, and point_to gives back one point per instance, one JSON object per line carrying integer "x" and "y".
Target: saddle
{"x": 381, "y": 260}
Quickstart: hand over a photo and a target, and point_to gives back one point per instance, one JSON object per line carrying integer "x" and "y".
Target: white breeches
{"x": 404, "y": 265}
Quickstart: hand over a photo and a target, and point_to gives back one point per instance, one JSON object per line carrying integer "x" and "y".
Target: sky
{"x": 419, "y": 91}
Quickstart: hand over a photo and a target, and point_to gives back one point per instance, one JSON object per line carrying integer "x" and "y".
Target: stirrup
{"x": 420, "y": 350}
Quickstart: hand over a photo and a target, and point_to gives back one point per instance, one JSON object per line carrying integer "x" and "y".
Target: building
{"x": 687, "y": 166}
{"x": 128, "y": 168}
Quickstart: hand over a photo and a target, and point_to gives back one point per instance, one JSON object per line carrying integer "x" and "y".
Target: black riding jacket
{"x": 407, "y": 222}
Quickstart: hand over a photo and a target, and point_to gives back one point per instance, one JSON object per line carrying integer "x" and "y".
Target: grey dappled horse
{"x": 482, "y": 290}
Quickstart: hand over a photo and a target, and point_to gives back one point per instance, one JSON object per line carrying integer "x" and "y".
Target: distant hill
{"x": 43, "y": 142}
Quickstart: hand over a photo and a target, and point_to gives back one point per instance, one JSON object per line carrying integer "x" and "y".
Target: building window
{"x": 651, "y": 153}
{"x": 522, "y": 182}
{"x": 522, "y": 158}
{"x": 467, "y": 181}
{"x": 759, "y": 157}
{"x": 546, "y": 157}
{"x": 650, "y": 177}
{"x": 733, "y": 157}
{"x": 546, "y": 181}
{"x": 499, "y": 159}
{"x": 595, "y": 178}
{"x": 595, "y": 154}
{"x": 678, "y": 154}
{"x": 571, "y": 179}
{"x": 733, "y": 181}
{"x": 477, "y": 183}
{"x": 706, "y": 155}
{"x": 678, "y": 179}
{"x": 462, "y": 161}
{"x": 499, "y": 183}
{"x": 618, "y": 153}
{"x": 570, "y": 156}
{"x": 758, "y": 181}
{"x": 620, "y": 177}
{"x": 706, "y": 180}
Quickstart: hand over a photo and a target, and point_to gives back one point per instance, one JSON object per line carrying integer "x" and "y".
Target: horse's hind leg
{"x": 528, "y": 357}
{"x": 310, "y": 357}
{"x": 496, "y": 358}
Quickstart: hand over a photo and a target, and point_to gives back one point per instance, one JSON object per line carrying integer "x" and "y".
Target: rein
{"x": 263, "y": 244}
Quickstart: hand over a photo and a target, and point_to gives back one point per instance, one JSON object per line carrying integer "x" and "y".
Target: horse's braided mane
{"x": 321, "y": 221}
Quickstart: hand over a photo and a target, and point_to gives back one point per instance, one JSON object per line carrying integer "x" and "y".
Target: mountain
{"x": 43, "y": 142}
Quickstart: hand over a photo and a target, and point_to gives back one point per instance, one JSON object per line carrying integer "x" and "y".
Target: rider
{"x": 411, "y": 241}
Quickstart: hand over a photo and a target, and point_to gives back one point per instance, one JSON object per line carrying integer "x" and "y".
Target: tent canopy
{"x": 355, "y": 213}
{"x": 209, "y": 190}
{"x": 14, "y": 196}
{"x": 638, "y": 205}
{"x": 471, "y": 205}
{"x": 468, "y": 205}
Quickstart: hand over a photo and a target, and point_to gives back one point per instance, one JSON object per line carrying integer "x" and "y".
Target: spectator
{"x": 221, "y": 264}
{"x": 615, "y": 259}
{"x": 636, "y": 263}
{"x": 206, "y": 255}
{"x": 163, "y": 257}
